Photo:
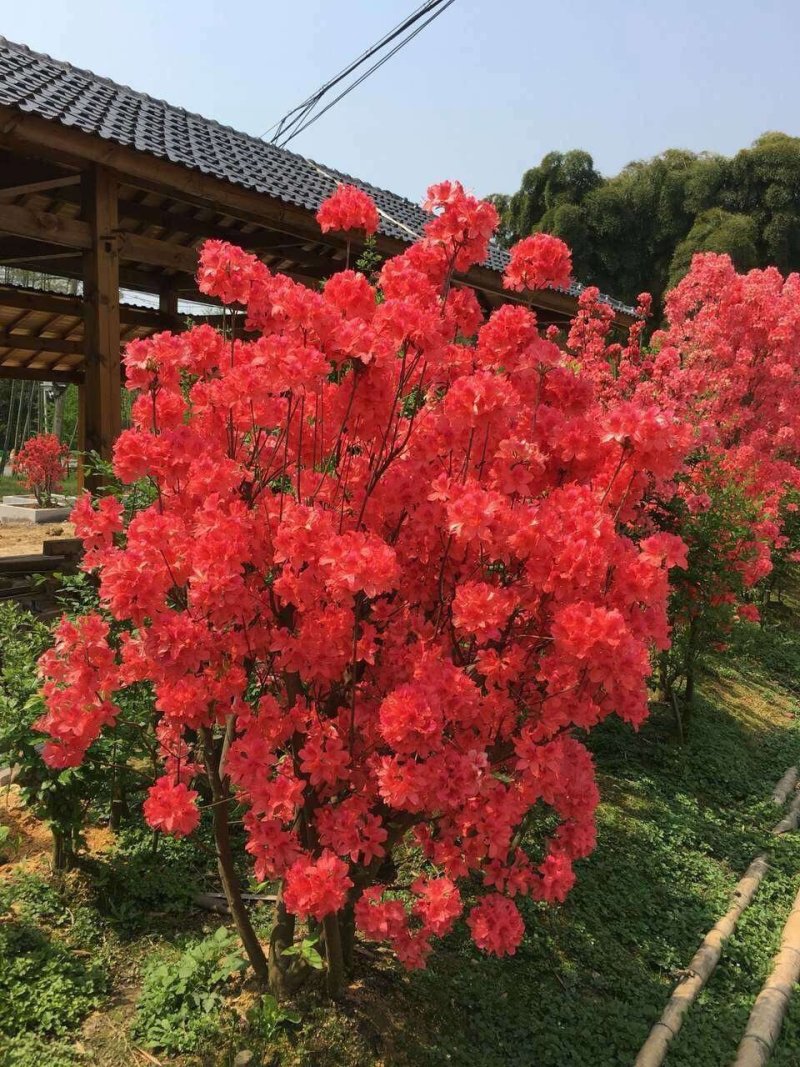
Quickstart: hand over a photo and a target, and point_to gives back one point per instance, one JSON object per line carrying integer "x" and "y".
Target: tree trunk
{"x": 119, "y": 807}
{"x": 347, "y": 930}
{"x": 286, "y": 973}
{"x": 690, "y": 663}
{"x": 58, "y": 411}
{"x": 335, "y": 977}
{"x": 63, "y": 854}
{"x": 225, "y": 864}
{"x": 689, "y": 691}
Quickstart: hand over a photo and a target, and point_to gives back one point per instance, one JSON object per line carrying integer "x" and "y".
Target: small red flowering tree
{"x": 42, "y": 465}
{"x": 383, "y": 586}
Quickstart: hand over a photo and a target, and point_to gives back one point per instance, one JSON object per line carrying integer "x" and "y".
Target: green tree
{"x": 639, "y": 229}
{"x": 717, "y": 230}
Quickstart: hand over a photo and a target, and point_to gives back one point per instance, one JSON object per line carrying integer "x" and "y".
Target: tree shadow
{"x": 676, "y": 830}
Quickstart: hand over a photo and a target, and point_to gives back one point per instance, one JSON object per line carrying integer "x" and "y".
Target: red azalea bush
{"x": 42, "y": 464}
{"x": 726, "y": 366}
{"x": 730, "y": 357}
{"x": 387, "y": 575}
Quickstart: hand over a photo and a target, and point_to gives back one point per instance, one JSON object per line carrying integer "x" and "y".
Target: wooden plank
{"x": 34, "y": 262}
{"x": 45, "y": 226}
{"x": 26, "y": 343}
{"x": 41, "y": 300}
{"x": 103, "y": 383}
{"x": 67, "y": 304}
{"x": 156, "y": 253}
{"x": 68, "y": 547}
{"x": 30, "y": 564}
{"x": 41, "y": 186}
{"x": 40, "y": 374}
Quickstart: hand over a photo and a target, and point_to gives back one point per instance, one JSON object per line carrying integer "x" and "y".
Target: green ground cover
{"x": 677, "y": 827}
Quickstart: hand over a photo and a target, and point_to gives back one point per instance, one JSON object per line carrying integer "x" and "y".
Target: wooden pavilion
{"x": 108, "y": 186}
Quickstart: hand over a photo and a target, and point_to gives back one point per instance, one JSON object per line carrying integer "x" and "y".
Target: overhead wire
{"x": 302, "y": 116}
{"x": 284, "y": 124}
{"x": 384, "y": 59}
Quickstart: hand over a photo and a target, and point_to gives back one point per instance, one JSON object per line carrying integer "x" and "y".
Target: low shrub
{"x": 181, "y": 1000}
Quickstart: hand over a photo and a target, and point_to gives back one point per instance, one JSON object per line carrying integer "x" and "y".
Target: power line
{"x": 311, "y": 100}
{"x": 313, "y": 118}
{"x": 302, "y": 116}
{"x": 302, "y": 109}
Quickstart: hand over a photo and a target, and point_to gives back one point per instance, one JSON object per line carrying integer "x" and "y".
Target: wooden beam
{"x": 160, "y": 176}
{"x": 168, "y": 309}
{"x": 44, "y": 226}
{"x": 69, "y": 304}
{"x": 73, "y": 147}
{"x": 103, "y": 384}
{"x": 26, "y": 343}
{"x": 132, "y": 246}
{"x": 40, "y": 187}
{"x": 40, "y": 374}
{"x": 75, "y": 233}
{"x": 81, "y": 436}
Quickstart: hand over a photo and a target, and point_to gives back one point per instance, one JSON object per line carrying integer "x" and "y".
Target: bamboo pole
{"x": 704, "y": 961}
{"x": 772, "y": 1003}
{"x": 790, "y": 819}
{"x": 780, "y": 794}
{"x": 701, "y": 968}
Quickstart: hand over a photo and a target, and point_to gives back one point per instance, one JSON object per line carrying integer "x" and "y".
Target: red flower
{"x": 317, "y": 887}
{"x": 170, "y": 806}
{"x": 538, "y": 262}
{"x": 496, "y": 925}
{"x": 349, "y": 208}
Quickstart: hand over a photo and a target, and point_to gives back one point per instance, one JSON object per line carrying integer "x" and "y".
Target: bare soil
{"x": 29, "y": 846}
{"x": 26, "y": 538}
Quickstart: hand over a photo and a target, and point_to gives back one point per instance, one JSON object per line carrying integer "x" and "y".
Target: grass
{"x": 11, "y": 486}
{"x": 676, "y": 829}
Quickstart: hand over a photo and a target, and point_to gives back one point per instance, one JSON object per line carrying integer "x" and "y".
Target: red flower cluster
{"x": 391, "y": 554}
{"x": 538, "y": 262}
{"x": 349, "y": 208}
{"x": 170, "y": 806}
{"x": 42, "y": 465}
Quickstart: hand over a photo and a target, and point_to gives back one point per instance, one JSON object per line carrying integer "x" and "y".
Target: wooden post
{"x": 103, "y": 405}
{"x": 168, "y": 308}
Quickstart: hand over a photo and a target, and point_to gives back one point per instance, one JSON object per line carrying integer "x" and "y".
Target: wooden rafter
{"x": 26, "y": 343}
{"x": 10, "y": 191}
{"x": 40, "y": 374}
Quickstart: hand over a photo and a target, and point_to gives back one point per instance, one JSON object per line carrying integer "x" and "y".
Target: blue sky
{"x": 480, "y": 95}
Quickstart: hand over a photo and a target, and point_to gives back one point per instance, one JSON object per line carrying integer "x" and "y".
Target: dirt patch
{"x": 29, "y": 843}
{"x": 27, "y": 538}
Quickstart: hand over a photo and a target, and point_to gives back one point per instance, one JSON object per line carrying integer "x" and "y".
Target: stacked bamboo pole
{"x": 705, "y": 960}
{"x": 772, "y": 1003}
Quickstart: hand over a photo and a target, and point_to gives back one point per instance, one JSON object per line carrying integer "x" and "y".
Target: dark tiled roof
{"x": 36, "y": 83}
